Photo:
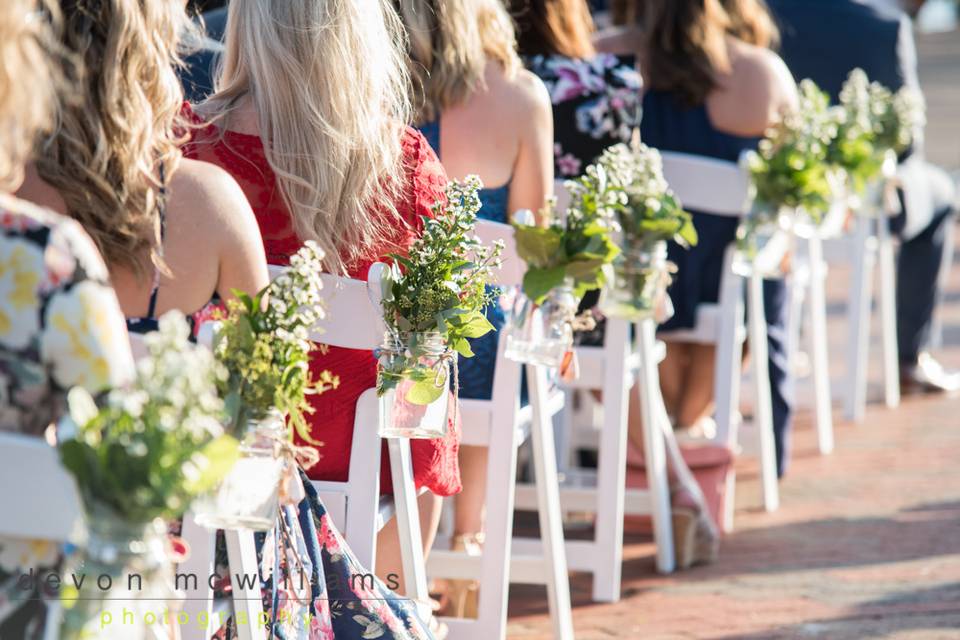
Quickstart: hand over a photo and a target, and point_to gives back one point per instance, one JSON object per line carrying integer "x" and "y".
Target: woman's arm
{"x": 532, "y": 180}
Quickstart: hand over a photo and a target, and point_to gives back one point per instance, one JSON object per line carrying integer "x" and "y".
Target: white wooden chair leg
{"x": 763, "y": 411}
{"x": 491, "y": 619}
{"x": 247, "y": 603}
{"x": 818, "y": 337}
{"x": 564, "y": 439}
{"x": 729, "y": 356}
{"x": 858, "y": 330}
{"x": 408, "y": 521}
{"x": 363, "y": 501}
{"x": 202, "y": 543}
{"x": 946, "y": 263}
{"x": 654, "y": 413}
{"x": 612, "y": 466}
{"x": 548, "y": 501}
{"x": 888, "y": 315}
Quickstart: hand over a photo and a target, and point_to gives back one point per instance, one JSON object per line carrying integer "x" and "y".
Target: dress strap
{"x": 431, "y": 131}
{"x": 161, "y": 210}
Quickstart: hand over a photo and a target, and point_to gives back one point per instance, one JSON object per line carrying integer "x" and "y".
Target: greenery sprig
{"x": 790, "y": 167}
{"x": 264, "y": 345}
{"x": 150, "y": 449}
{"x": 577, "y": 245}
{"x": 652, "y": 211}
{"x": 439, "y": 287}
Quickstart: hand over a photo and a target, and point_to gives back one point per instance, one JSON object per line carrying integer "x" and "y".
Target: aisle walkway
{"x": 867, "y": 542}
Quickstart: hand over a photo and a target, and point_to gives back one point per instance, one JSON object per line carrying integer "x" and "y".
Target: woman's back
{"x": 501, "y": 134}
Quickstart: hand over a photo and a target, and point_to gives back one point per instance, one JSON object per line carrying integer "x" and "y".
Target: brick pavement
{"x": 867, "y": 541}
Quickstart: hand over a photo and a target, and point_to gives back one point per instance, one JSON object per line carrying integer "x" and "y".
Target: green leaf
{"x": 538, "y": 246}
{"x": 424, "y": 392}
{"x": 537, "y": 283}
{"x": 218, "y": 457}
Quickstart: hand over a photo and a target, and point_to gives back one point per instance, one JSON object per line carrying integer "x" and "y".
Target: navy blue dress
{"x": 668, "y": 125}
{"x": 476, "y": 373}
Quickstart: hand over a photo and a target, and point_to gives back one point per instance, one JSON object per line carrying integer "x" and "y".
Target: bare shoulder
{"x": 209, "y": 197}
{"x": 522, "y": 88}
{"x": 761, "y": 73}
{"x": 755, "y": 94}
{"x": 619, "y": 40}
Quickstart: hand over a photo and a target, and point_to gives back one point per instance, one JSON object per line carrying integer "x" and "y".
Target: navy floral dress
{"x": 596, "y": 104}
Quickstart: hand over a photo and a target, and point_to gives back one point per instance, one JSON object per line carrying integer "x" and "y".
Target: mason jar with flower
{"x": 433, "y": 300}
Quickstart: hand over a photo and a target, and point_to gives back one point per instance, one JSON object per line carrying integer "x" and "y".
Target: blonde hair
{"x": 112, "y": 141}
{"x": 27, "y": 85}
{"x": 328, "y": 82}
{"x": 450, "y": 44}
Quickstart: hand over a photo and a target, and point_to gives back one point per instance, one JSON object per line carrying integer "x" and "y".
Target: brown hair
{"x": 750, "y": 21}
{"x": 27, "y": 84}
{"x": 110, "y": 143}
{"x": 553, "y": 27}
{"x": 450, "y": 43}
{"x": 684, "y": 47}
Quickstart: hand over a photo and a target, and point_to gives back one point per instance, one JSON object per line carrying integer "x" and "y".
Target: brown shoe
{"x": 928, "y": 376}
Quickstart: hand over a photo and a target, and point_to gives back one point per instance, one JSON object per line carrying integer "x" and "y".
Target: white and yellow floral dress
{"x": 60, "y": 327}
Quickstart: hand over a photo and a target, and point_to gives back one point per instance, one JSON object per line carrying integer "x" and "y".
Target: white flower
{"x": 84, "y": 338}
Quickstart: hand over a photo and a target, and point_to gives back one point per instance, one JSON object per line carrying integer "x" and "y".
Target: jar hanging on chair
{"x": 544, "y": 335}
{"x": 249, "y": 495}
{"x": 419, "y": 405}
{"x": 640, "y": 278}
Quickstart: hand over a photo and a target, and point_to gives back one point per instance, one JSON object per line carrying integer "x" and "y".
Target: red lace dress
{"x": 434, "y": 461}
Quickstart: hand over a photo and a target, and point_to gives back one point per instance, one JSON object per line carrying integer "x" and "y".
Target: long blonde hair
{"x": 111, "y": 143}
{"x": 450, "y": 44}
{"x": 27, "y": 85}
{"x": 329, "y": 85}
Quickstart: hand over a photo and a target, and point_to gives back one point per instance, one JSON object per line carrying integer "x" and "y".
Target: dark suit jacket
{"x": 826, "y": 39}
{"x": 197, "y": 75}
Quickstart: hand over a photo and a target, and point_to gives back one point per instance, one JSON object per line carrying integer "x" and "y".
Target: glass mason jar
{"x": 135, "y": 556}
{"x": 763, "y": 240}
{"x": 249, "y": 495}
{"x": 880, "y": 195}
{"x": 639, "y": 280}
{"x": 430, "y": 359}
{"x": 543, "y": 336}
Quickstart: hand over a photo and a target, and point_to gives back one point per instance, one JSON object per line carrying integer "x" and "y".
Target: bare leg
{"x": 389, "y": 566}
{"x": 468, "y": 504}
{"x": 673, "y": 375}
{"x": 697, "y": 398}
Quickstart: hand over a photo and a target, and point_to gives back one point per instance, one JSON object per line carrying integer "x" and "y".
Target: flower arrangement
{"x": 578, "y": 244}
{"x": 437, "y": 293}
{"x": 651, "y": 216}
{"x": 854, "y": 148}
{"x": 263, "y": 345}
{"x": 897, "y": 116}
{"x": 789, "y": 169}
{"x": 652, "y": 211}
{"x": 152, "y": 447}
{"x": 872, "y": 123}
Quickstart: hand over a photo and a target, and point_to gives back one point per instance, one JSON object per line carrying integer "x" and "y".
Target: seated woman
{"x": 175, "y": 233}
{"x": 483, "y": 114}
{"x": 712, "y": 94}
{"x": 55, "y": 296}
{"x": 308, "y": 115}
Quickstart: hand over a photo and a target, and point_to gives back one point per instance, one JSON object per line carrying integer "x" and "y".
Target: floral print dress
{"x": 596, "y": 104}
{"x": 60, "y": 327}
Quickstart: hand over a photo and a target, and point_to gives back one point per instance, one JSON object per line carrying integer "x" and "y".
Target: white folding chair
{"x": 354, "y": 320}
{"x": 50, "y": 511}
{"x": 869, "y": 242}
{"x": 612, "y": 369}
{"x": 501, "y": 425}
{"x": 722, "y": 188}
